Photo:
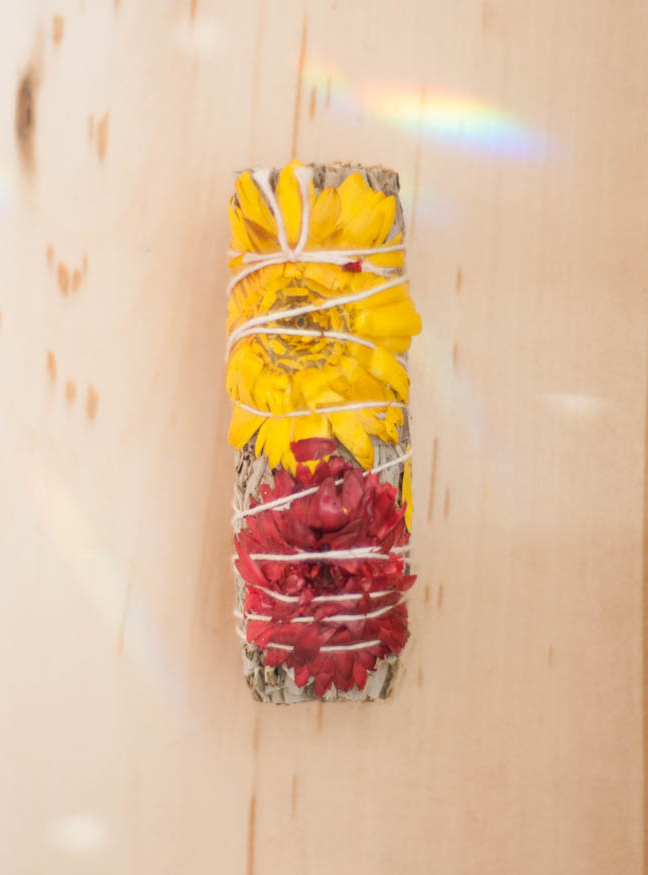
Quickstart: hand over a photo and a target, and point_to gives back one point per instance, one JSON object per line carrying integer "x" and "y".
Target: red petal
{"x": 352, "y": 490}
{"x": 271, "y": 658}
{"x": 322, "y": 683}
{"x": 302, "y": 673}
{"x": 344, "y": 663}
{"x": 283, "y": 483}
{"x": 325, "y": 510}
{"x": 313, "y": 448}
{"x": 359, "y": 675}
{"x": 250, "y": 571}
{"x": 337, "y": 465}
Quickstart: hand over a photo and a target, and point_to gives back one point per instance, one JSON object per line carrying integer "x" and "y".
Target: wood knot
{"x": 26, "y": 117}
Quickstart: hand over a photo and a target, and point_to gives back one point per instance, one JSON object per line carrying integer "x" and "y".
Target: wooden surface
{"x": 128, "y": 740}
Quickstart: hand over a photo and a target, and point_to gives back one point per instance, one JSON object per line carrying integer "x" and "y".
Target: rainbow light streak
{"x": 453, "y": 119}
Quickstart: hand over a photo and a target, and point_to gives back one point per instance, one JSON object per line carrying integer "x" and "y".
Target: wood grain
{"x": 127, "y": 735}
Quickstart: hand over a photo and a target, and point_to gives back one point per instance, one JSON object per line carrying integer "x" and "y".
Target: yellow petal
{"x": 326, "y": 279}
{"x": 249, "y": 366}
{"x": 387, "y": 211}
{"x": 390, "y": 431}
{"x": 395, "y": 415}
{"x": 324, "y": 215}
{"x": 242, "y": 426}
{"x": 397, "y": 345}
{"x": 363, "y": 228}
{"x": 241, "y": 372}
{"x": 372, "y": 425}
{"x": 348, "y": 429}
{"x": 390, "y": 259}
{"x": 386, "y": 297}
{"x": 277, "y": 440}
{"x": 262, "y": 436}
{"x": 240, "y": 239}
{"x": 261, "y": 240}
{"x": 288, "y": 461}
{"x": 236, "y": 261}
{"x": 313, "y": 383}
{"x": 316, "y": 425}
{"x": 253, "y": 207}
{"x": 271, "y": 391}
{"x": 290, "y": 201}
{"x": 384, "y": 366}
{"x": 398, "y": 320}
{"x": 231, "y": 374}
{"x": 354, "y": 194}
{"x": 267, "y": 301}
{"x": 354, "y": 375}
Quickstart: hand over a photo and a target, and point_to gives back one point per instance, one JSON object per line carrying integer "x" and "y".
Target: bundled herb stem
{"x": 319, "y": 323}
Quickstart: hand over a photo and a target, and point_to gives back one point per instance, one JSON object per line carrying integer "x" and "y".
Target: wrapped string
{"x": 287, "y": 500}
{"x": 352, "y": 259}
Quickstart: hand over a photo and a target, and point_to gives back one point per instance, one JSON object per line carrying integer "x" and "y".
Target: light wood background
{"x": 128, "y": 741}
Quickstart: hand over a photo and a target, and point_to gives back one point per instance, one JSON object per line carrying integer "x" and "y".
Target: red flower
{"x": 309, "y": 607}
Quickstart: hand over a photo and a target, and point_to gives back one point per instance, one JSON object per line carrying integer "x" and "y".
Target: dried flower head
{"x": 348, "y": 352}
{"x": 330, "y": 620}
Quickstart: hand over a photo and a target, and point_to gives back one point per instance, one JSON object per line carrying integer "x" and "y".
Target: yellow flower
{"x": 280, "y": 373}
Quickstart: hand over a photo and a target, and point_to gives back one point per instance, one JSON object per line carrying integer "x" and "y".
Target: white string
{"x": 327, "y": 648}
{"x": 310, "y": 256}
{"x": 334, "y": 648}
{"x": 335, "y": 408}
{"x": 292, "y": 312}
{"x": 320, "y": 599}
{"x": 310, "y": 332}
{"x": 352, "y": 553}
{"x": 258, "y": 260}
{"x": 287, "y": 500}
{"x": 327, "y": 555}
{"x": 397, "y": 461}
{"x": 341, "y": 256}
{"x": 336, "y": 618}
